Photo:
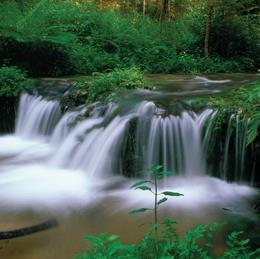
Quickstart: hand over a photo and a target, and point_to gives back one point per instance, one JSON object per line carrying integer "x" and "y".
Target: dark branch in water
{"x": 28, "y": 230}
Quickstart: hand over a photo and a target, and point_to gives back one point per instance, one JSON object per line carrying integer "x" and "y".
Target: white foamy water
{"x": 43, "y": 188}
{"x": 55, "y": 163}
{"x": 37, "y": 117}
{"x": 205, "y": 80}
{"x": 15, "y": 149}
{"x": 199, "y": 193}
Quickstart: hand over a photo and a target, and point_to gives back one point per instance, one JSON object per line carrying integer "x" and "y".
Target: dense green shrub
{"x": 12, "y": 81}
{"x": 197, "y": 243}
{"x": 104, "y": 86}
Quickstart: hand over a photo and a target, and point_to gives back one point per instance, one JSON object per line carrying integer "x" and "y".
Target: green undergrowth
{"x": 197, "y": 243}
{"x": 13, "y": 81}
{"x": 245, "y": 102}
{"x": 105, "y": 86}
{"x": 242, "y": 101}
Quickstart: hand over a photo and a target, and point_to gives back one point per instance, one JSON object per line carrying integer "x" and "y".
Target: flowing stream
{"x": 61, "y": 164}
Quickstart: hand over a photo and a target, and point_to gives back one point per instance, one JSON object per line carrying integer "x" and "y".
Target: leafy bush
{"x": 197, "y": 243}
{"x": 106, "y": 85}
{"x": 12, "y": 81}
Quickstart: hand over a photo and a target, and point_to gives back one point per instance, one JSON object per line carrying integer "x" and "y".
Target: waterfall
{"x": 234, "y": 156}
{"x": 175, "y": 142}
{"x": 54, "y": 159}
{"x": 36, "y": 116}
{"x": 95, "y": 144}
{"x": 240, "y": 148}
{"x": 226, "y": 149}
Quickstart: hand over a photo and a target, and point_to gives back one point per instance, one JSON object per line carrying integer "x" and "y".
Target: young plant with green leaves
{"x": 156, "y": 173}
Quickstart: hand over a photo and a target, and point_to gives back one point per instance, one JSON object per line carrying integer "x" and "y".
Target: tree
{"x": 207, "y": 29}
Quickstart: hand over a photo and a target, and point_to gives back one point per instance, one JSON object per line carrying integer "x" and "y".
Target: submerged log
{"x": 48, "y": 224}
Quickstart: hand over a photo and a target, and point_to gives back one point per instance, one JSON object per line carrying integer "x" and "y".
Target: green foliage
{"x": 104, "y": 86}
{"x": 243, "y": 101}
{"x": 253, "y": 98}
{"x": 12, "y": 81}
{"x": 105, "y": 247}
{"x": 240, "y": 18}
{"x": 79, "y": 38}
{"x": 239, "y": 248}
{"x": 197, "y": 243}
{"x": 253, "y": 126}
{"x": 156, "y": 173}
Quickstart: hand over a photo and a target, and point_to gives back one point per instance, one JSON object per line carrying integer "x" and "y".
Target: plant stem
{"x": 155, "y": 214}
{"x": 155, "y": 205}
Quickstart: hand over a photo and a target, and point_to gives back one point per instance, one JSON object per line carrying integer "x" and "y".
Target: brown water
{"x": 66, "y": 240}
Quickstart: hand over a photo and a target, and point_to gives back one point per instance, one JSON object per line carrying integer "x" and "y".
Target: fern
{"x": 239, "y": 248}
{"x": 253, "y": 127}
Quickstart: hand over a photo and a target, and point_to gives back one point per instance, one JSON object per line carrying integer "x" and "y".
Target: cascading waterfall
{"x": 175, "y": 142}
{"x": 234, "y": 159}
{"x": 89, "y": 143}
{"x": 240, "y": 147}
{"x": 226, "y": 150}
{"x": 94, "y": 144}
{"x": 36, "y": 116}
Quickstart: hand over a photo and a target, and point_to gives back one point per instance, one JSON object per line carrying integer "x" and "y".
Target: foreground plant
{"x": 156, "y": 173}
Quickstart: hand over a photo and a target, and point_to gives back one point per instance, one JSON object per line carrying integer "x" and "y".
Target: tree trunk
{"x": 207, "y": 30}
{"x": 169, "y": 10}
{"x": 144, "y": 7}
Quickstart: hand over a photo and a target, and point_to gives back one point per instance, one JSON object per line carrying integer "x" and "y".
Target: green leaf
{"x": 172, "y": 194}
{"x": 113, "y": 237}
{"x": 139, "y": 183}
{"x": 162, "y": 200}
{"x": 144, "y": 188}
{"x": 168, "y": 222}
{"x": 157, "y": 167}
{"x": 244, "y": 242}
{"x": 154, "y": 169}
{"x": 94, "y": 240}
{"x": 138, "y": 211}
{"x": 168, "y": 172}
{"x": 114, "y": 247}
